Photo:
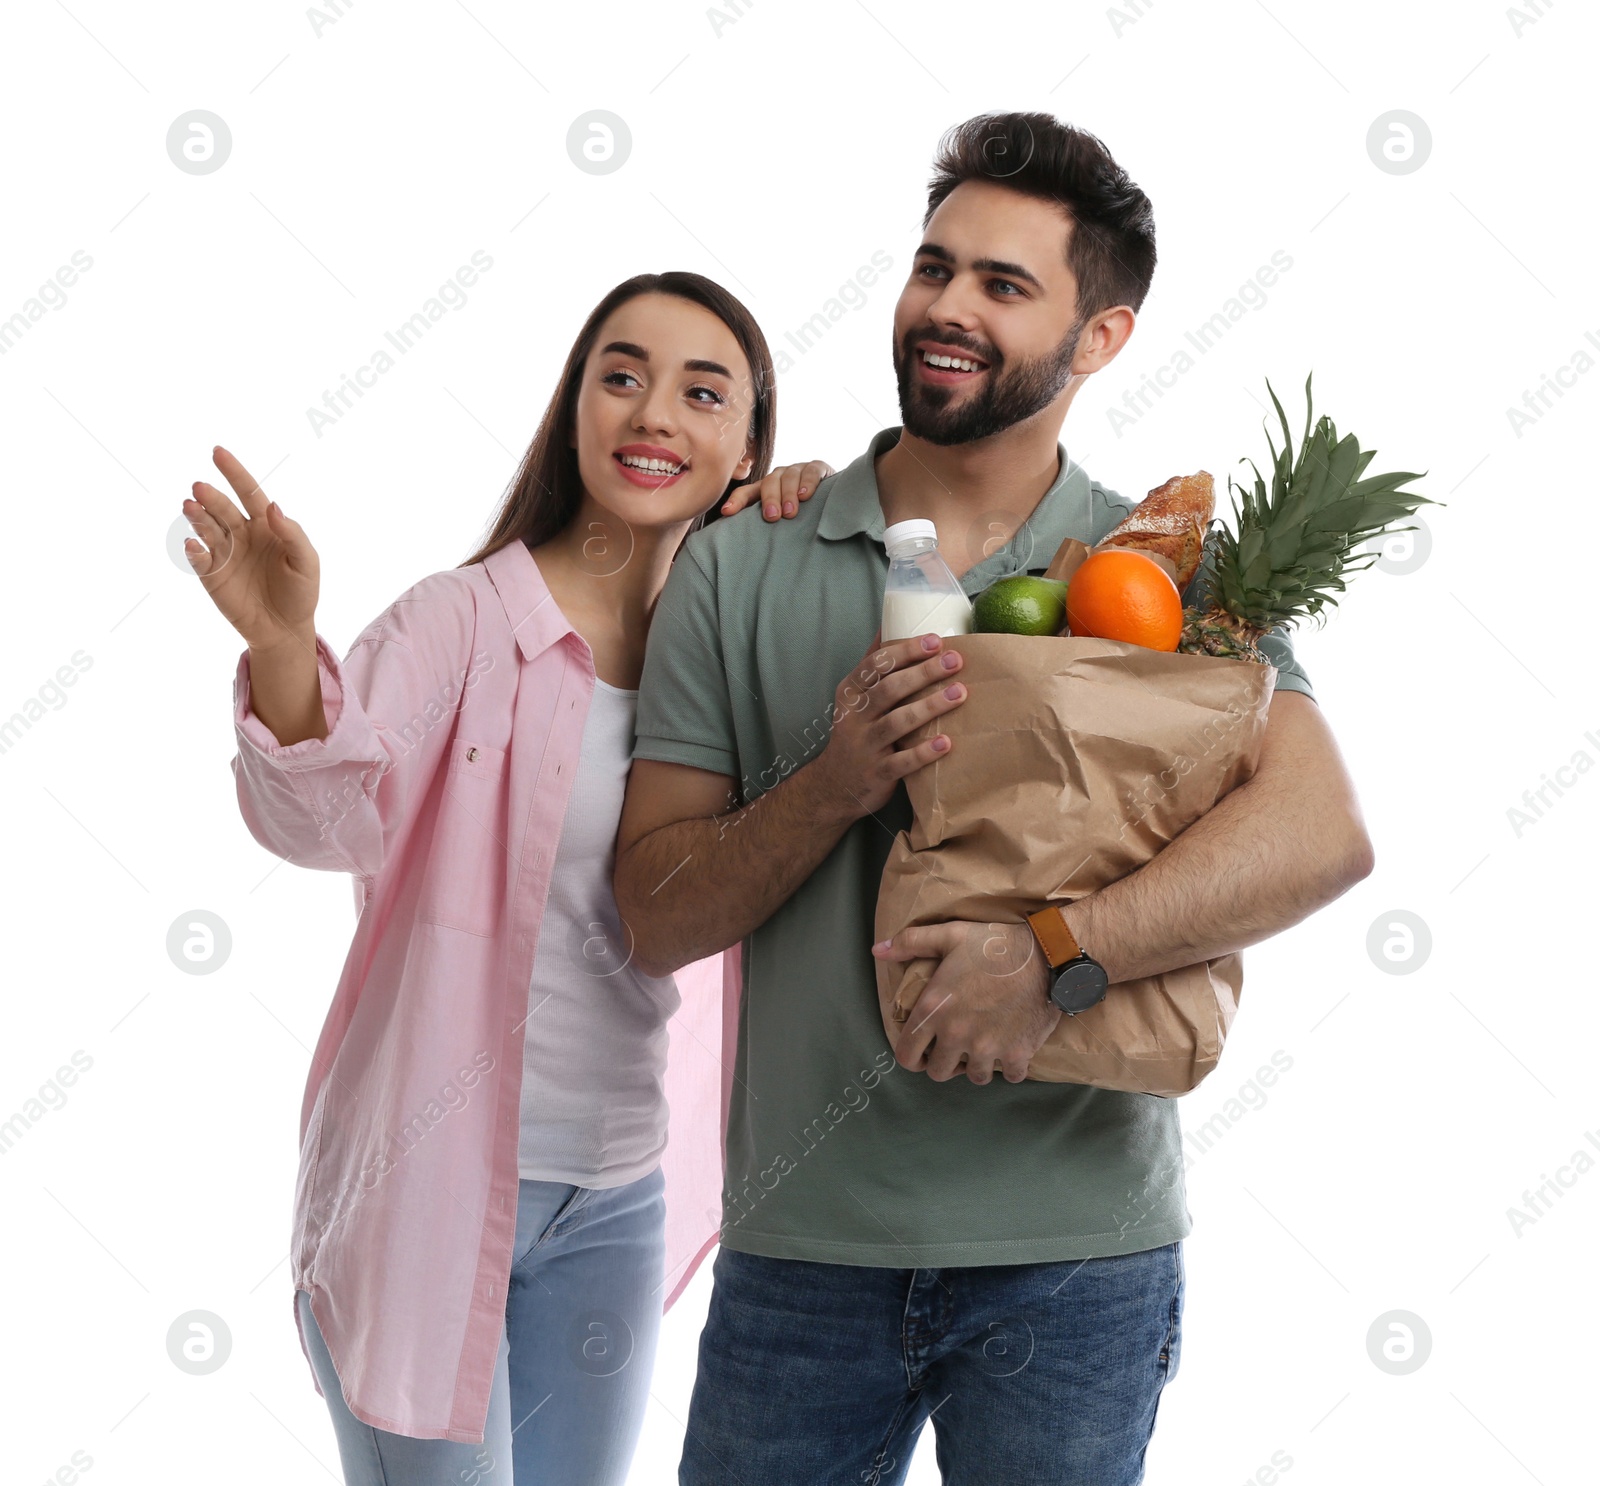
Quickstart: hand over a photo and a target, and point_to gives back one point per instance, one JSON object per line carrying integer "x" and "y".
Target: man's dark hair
{"x": 1112, "y": 247}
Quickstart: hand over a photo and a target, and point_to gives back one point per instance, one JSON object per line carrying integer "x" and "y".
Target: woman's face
{"x": 663, "y": 413}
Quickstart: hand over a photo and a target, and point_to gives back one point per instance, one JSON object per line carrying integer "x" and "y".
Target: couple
{"x": 483, "y": 1211}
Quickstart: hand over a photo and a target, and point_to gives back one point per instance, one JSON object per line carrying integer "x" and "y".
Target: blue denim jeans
{"x": 565, "y": 1405}
{"x": 823, "y": 1374}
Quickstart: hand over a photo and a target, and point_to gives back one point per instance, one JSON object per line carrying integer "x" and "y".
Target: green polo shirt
{"x": 834, "y": 1152}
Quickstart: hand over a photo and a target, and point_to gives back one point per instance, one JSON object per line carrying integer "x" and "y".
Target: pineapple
{"x": 1292, "y": 549}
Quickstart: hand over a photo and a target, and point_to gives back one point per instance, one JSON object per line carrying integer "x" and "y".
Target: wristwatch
{"x": 1078, "y": 980}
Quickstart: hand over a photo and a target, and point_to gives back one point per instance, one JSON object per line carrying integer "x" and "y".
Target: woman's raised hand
{"x": 783, "y": 489}
{"x": 256, "y": 564}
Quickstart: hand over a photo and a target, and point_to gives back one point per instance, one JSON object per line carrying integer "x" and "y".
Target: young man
{"x": 898, "y": 1241}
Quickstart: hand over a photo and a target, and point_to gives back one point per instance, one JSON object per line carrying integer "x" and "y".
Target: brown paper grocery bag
{"x": 1074, "y": 761}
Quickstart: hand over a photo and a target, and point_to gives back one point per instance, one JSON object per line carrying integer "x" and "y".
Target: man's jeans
{"x": 822, "y": 1374}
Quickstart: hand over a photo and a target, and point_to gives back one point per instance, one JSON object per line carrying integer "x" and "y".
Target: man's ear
{"x": 1107, "y": 333}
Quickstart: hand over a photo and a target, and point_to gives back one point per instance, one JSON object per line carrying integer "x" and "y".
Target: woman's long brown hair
{"x": 546, "y": 493}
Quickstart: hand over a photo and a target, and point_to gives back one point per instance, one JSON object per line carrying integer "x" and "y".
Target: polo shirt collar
{"x": 535, "y": 616}
{"x": 852, "y": 508}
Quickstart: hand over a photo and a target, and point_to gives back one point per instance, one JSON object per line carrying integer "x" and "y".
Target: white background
{"x": 776, "y": 150}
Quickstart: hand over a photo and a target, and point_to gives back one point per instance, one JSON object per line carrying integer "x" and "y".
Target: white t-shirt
{"x": 594, "y": 1110}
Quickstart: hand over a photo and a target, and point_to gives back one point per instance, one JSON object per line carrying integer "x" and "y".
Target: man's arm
{"x": 690, "y": 882}
{"x": 1269, "y": 853}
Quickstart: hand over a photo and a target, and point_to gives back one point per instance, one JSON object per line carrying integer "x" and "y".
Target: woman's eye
{"x": 615, "y": 378}
{"x": 716, "y": 397}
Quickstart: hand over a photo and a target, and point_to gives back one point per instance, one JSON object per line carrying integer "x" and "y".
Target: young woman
{"x": 478, "y": 1249}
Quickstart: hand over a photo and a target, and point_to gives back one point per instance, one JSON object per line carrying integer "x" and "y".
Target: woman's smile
{"x": 650, "y": 465}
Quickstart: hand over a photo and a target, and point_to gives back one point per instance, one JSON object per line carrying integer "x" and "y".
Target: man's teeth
{"x": 652, "y": 466}
{"x": 953, "y": 363}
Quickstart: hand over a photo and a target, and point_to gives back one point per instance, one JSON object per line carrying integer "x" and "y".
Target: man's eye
{"x": 931, "y": 268}
{"x": 1006, "y": 284}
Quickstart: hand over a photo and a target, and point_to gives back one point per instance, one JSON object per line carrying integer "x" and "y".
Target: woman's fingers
{"x": 206, "y": 526}
{"x": 812, "y": 475}
{"x": 216, "y": 506}
{"x": 767, "y": 492}
{"x": 259, "y": 568}
{"x": 226, "y": 531}
{"x": 216, "y": 538}
{"x": 244, "y": 484}
{"x": 789, "y": 487}
{"x": 781, "y": 492}
{"x": 740, "y": 498}
{"x": 771, "y": 494}
{"x": 799, "y": 481}
{"x": 296, "y": 546}
{"x": 219, "y": 524}
{"x": 200, "y": 557}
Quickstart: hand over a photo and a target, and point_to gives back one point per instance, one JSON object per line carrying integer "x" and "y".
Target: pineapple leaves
{"x": 1294, "y": 545}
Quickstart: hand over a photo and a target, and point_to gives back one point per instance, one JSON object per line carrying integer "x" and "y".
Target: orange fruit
{"x": 1119, "y": 594}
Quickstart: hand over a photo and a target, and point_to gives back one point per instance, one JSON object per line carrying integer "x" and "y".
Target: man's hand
{"x": 986, "y": 1007}
{"x": 890, "y": 694}
{"x": 693, "y": 876}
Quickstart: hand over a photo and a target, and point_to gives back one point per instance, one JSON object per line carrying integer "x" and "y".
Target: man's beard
{"x": 1008, "y": 396}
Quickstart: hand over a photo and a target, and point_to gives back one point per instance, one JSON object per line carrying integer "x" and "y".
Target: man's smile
{"x": 947, "y": 366}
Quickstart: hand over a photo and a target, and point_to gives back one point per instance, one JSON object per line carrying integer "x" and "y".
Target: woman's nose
{"x": 656, "y": 415}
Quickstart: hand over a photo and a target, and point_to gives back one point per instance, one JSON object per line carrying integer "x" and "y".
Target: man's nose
{"x": 956, "y": 305}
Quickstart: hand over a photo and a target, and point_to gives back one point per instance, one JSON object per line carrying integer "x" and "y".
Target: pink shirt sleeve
{"x": 337, "y": 803}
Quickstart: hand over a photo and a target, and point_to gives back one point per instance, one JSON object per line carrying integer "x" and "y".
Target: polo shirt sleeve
{"x": 1279, "y": 649}
{"x": 685, "y": 714}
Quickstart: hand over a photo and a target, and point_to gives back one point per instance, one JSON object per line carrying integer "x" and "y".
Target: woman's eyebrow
{"x": 628, "y": 348}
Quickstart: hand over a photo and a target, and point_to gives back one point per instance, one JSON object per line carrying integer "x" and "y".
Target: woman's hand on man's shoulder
{"x": 781, "y": 492}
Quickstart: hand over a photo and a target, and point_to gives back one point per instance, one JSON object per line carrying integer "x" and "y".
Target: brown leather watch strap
{"x": 1054, "y": 937}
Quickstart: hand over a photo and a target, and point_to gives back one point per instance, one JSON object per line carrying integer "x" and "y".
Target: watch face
{"x": 1079, "y": 984}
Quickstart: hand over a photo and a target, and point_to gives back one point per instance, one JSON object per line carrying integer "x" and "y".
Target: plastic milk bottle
{"x": 921, "y": 595}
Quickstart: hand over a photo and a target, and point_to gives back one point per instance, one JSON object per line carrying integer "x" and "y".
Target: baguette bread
{"x": 1170, "y": 522}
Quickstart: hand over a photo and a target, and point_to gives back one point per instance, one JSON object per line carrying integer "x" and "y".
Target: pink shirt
{"x": 454, "y": 727}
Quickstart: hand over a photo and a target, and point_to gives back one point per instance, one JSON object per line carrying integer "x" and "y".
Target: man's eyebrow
{"x": 988, "y": 265}
{"x": 628, "y": 348}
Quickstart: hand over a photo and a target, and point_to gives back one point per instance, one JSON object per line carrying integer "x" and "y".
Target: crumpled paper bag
{"x": 1074, "y": 761}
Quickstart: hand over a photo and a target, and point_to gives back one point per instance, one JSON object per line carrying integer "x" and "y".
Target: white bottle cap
{"x": 902, "y": 530}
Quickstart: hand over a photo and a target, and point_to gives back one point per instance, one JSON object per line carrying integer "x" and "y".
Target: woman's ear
{"x": 741, "y": 471}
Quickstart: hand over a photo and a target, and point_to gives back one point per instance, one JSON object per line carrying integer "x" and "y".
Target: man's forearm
{"x": 1271, "y": 852}
{"x": 699, "y": 886}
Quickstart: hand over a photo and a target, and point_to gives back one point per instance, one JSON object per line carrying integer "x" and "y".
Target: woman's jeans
{"x": 571, "y": 1385}
{"x": 1034, "y": 1374}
